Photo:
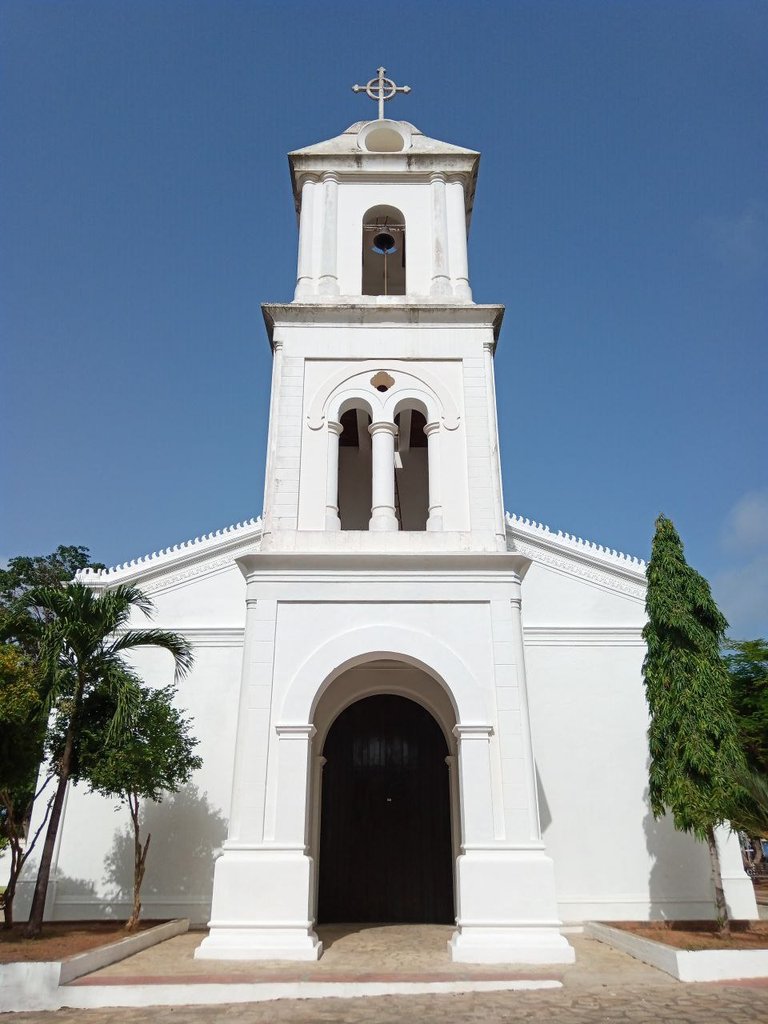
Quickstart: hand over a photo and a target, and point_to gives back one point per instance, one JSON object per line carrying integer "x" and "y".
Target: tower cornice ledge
{"x": 401, "y": 314}
{"x": 431, "y": 565}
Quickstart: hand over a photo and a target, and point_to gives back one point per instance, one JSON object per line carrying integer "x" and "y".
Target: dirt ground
{"x": 61, "y": 939}
{"x": 700, "y": 934}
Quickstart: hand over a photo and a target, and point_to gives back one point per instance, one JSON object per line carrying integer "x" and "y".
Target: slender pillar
{"x": 294, "y": 743}
{"x": 329, "y": 282}
{"x": 304, "y": 276}
{"x": 332, "y": 521}
{"x": 457, "y": 236}
{"x": 529, "y": 767}
{"x": 383, "y": 515}
{"x": 435, "y": 518}
{"x": 246, "y": 809}
{"x": 475, "y": 783}
{"x": 493, "y": 440}
{"x": 269, "y": 469}
{"x": 441, "y": 281}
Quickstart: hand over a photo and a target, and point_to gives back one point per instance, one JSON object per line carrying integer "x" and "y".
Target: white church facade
{"x": 411, "y": 705}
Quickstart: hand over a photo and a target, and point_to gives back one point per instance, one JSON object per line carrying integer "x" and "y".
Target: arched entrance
{"x": 385, "y": 839}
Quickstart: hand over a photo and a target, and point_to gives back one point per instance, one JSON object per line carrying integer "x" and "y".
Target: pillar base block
{"x": 260, "y": 943}
{"x": 261, "y": 906}
{"x": 383, "y": 524}
{"x": 509, "y": 945}
{"x": 507, "y": 908}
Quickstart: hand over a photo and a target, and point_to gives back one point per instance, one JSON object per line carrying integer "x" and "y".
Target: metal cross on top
{"x": 381, "y": 89}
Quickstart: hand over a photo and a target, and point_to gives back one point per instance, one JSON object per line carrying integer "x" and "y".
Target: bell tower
{"x": 384, "y": 566}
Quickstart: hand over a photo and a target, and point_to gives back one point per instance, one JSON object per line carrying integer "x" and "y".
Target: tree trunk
{"x": 723, "y": 921}
{"x": 37, "y": 910}
{"x": 139, "y": 863}
{"x": 8, "y": 895}
{"x": 19, "y": 855}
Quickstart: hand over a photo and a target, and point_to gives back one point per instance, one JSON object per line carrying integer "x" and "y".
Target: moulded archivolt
{"x": 348, "y": 384}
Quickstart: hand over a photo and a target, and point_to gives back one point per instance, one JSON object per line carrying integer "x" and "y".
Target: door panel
{"x": 385, "y": 849}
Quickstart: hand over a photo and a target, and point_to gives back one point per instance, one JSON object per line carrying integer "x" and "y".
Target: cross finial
{"x": 381, "y": 89}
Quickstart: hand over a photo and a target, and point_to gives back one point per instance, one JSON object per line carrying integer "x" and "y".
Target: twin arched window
{"x": 410, "y": 469}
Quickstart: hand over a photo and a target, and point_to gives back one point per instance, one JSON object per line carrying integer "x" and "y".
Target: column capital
{"x": 432, "y": 428}
{"x": 489, "y": 345}
{"x": 307, "y": 178}
{"x": 334, "y": 427}
{"x": 472, "y": 732}
{"x": 295, "y": 732}
{"x": 383, "y": 427}
{"x": 437, "y": 176}
{"x": 330, "y": 176}
{"x": 455, "y": 179}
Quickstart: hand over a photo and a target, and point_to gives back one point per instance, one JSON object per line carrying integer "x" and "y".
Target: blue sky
{"x": 621, "y": 216}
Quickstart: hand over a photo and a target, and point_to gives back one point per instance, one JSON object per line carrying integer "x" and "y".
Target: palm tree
{"x": 82, "y": 639}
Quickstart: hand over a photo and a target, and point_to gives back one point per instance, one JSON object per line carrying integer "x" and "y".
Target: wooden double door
{"x": 385, "y": 847}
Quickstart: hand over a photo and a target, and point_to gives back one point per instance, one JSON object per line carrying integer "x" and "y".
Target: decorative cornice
{"x": 176, "y": 564}
{"x": 603, "y": 566}
{"x": 358, "y": 313}
{"x": 583, "y": 636}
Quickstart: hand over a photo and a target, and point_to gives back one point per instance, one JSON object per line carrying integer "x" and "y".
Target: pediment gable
{"x": 188, "y": 560}
{"x": 603, "y": 567}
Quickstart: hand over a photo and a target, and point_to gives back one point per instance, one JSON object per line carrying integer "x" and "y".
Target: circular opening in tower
{"x": 384, "y": 140}
{"x": 384, "y": 137}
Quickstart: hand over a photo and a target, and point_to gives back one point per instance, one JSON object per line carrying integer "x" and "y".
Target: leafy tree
{"x": 82, "y": 639}
{"x": 696, "y": 759}
{"x": 751, "y": 813}
{"x": 22, "y": 731}
{"x": 19, "y": 622}
{"x": 22, "y": 699}
{"x": 747, "y": 662}
{"x": 153, "y": 755}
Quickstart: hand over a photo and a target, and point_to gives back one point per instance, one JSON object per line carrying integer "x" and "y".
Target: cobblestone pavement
{"x": 603, "y": 987}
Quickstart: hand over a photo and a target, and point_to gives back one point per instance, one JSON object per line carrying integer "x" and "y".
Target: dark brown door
{"x": 385, "y": 848}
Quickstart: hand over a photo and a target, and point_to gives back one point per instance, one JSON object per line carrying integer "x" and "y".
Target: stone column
{"x": 383, "y": 515}
{"x": 435, "y": 518}
{"x": 457, "y": 235}
{"x": 529, "y": 765}
{"x": 304, "y": 276}
{"x": 441, "y": 281}
{"x": 477, "y": 826}
{"x": 329, "y": 282}
{"x": 499, "y": 527}
{"x": 332, "y": 521}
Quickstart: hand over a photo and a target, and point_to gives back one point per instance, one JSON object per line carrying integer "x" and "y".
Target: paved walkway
{"x": 603, "y": 987}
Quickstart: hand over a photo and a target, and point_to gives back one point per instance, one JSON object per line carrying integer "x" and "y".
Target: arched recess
{"x": 374, "y": 643}
{"x": 412, "y": 467}
{"x": 383, "y": 252}
{"x": 355, "y": 466}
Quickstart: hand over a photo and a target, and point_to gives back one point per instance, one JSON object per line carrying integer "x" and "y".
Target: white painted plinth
{"x": 261, "y": 907}
{"x": 507, "y": 910}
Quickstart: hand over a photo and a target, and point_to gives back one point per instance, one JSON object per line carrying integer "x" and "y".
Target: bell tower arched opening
{"x": 355, "y": 469}
{"x": 383, "y": 254}
{"x": 385, "y": 833}
{"x": 412, "y": 470}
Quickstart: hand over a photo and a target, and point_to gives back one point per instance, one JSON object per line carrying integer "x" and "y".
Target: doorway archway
{"x": 385, "y": 837}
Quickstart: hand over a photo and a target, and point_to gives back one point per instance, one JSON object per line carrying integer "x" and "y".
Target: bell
{"x": 384, "y": 243}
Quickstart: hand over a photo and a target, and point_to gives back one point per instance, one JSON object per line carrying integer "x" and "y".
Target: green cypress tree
{"x": 696, "y": 759}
